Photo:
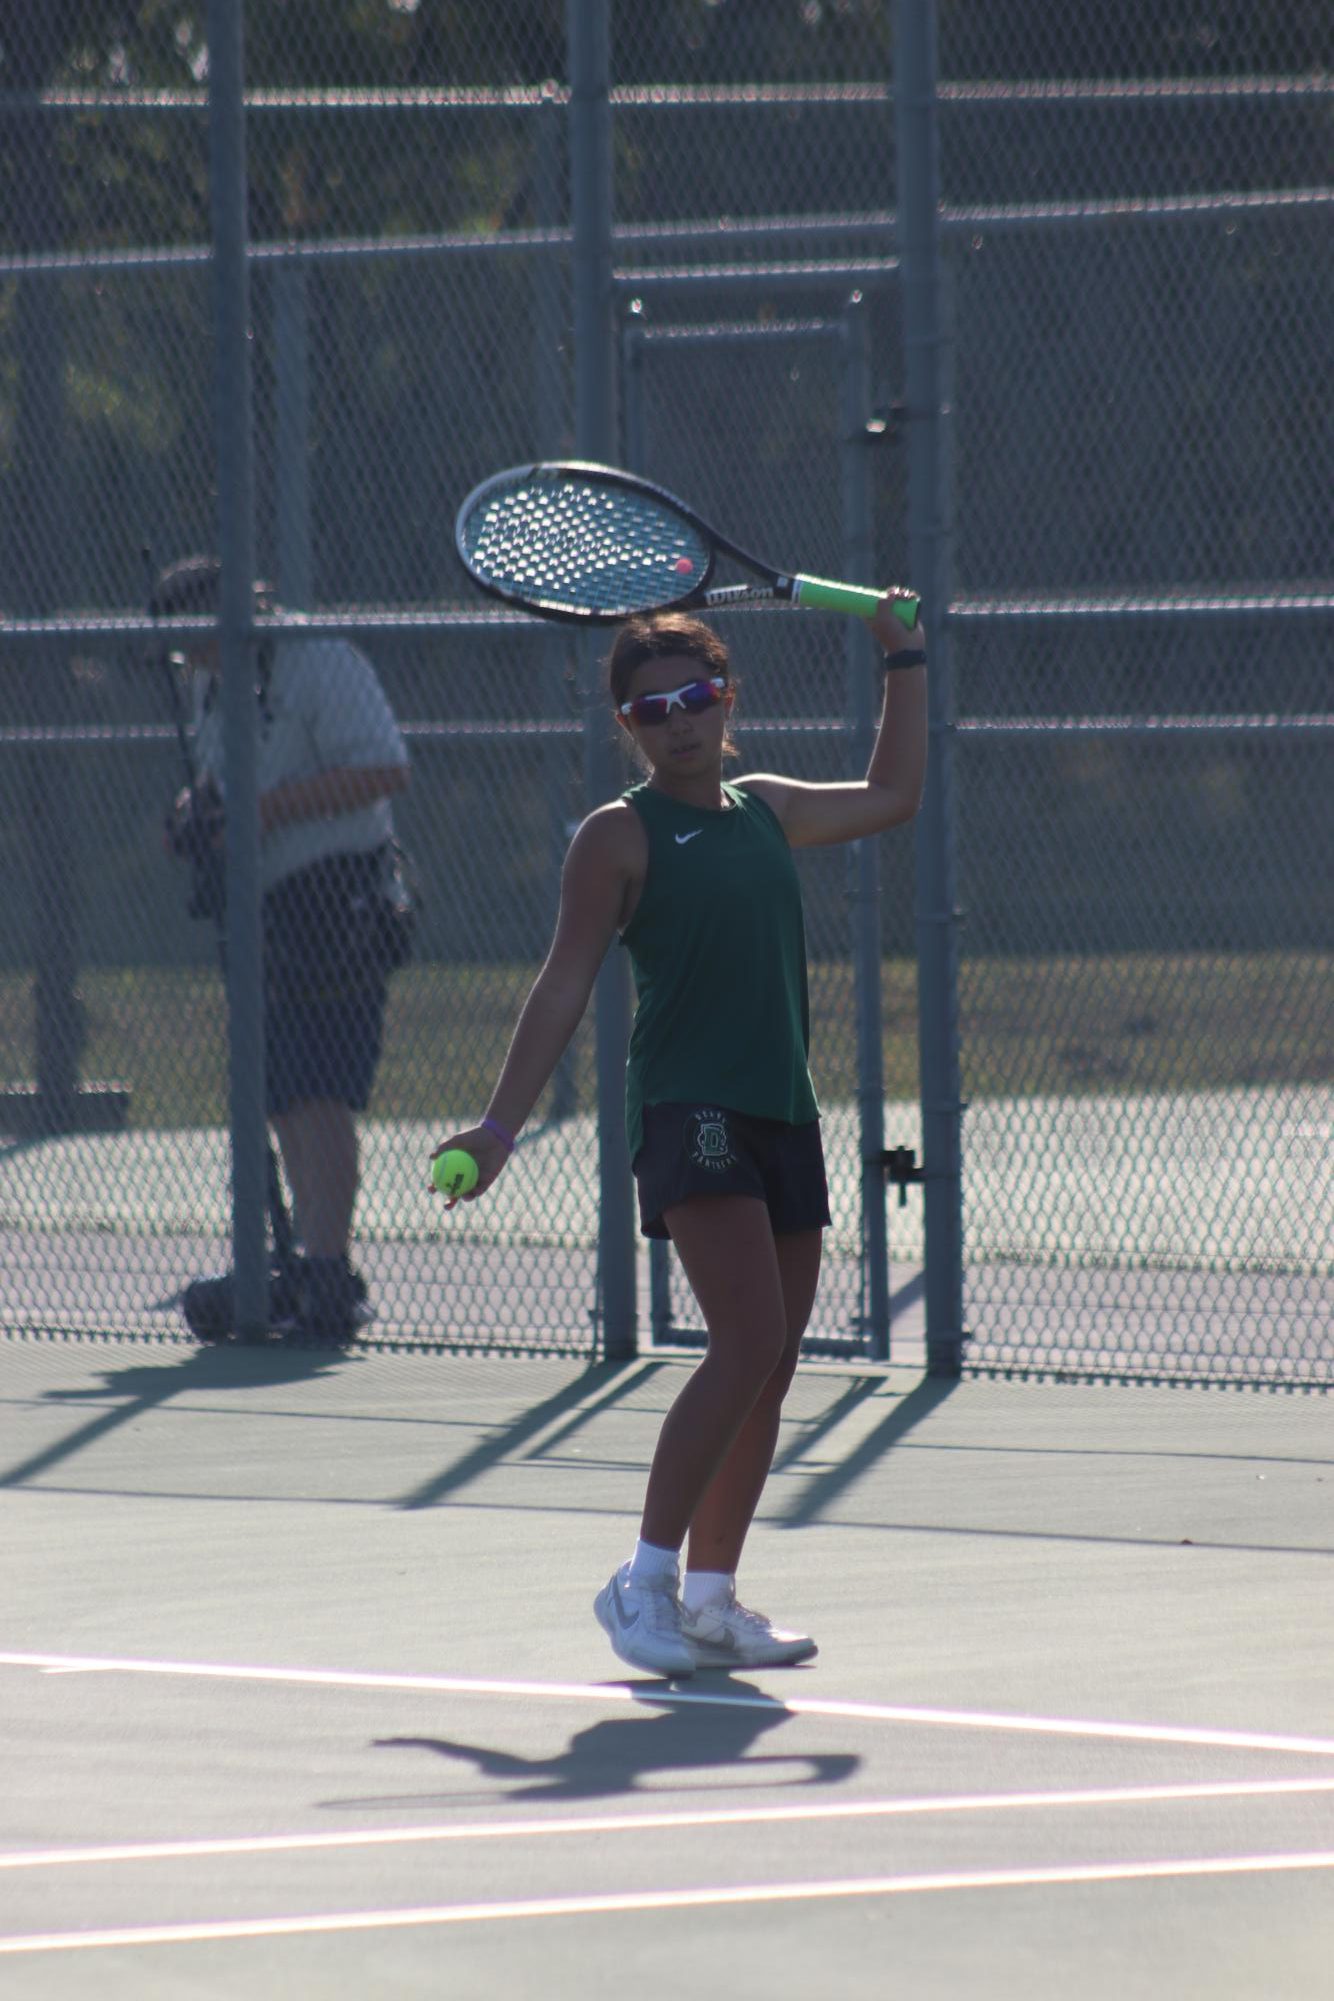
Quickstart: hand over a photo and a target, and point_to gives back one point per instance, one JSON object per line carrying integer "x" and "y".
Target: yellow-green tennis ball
{"x": 455, "y": 1172}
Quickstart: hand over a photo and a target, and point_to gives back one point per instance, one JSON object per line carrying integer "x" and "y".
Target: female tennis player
{"x": 695, "y": 876}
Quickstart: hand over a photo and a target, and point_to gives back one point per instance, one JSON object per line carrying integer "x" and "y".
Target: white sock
{"x": 707, "y": 1587}
{"x": 651, "y": 1564}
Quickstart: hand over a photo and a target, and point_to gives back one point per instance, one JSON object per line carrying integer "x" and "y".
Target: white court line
{"x": 635, "y": 1692}
{"x": 664, "y": 1900}
{"x": 640, "y": 1823}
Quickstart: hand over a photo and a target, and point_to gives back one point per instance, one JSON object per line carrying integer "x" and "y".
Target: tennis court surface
{"x": 303, "y": 1694}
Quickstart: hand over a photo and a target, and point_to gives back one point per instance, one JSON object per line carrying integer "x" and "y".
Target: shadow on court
{"x": 145, "y": 1387}
{"x": 612, "y": 1756}
{"x": 595, "y": 1391}
{"x": 820, "y": 1492}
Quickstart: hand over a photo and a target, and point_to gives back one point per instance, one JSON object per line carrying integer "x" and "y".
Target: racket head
{"x": 569, "y": 539}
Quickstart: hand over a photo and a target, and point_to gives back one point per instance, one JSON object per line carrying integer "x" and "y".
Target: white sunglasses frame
{"x": 673, "y": 696}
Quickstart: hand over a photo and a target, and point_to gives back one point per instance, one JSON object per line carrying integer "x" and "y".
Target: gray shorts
{"x": 691, "y": 1150}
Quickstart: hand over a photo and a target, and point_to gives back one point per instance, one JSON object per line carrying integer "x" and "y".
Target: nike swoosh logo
{"x": 722, "y": 1642}
{"x": 681, "y": 839}
{"x": 626, "y": 1618}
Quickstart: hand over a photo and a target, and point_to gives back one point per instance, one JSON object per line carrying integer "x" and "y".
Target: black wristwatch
{"x": 914, "y": 656}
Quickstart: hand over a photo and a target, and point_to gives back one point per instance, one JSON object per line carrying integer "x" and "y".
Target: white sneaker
{"x": 643, "y": 1623}
{"x": 725, "y": 1634}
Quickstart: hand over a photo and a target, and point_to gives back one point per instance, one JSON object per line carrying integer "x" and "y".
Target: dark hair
{"x": 192, "y": 588}
{"x": 663, "y": 635}
{"x": 666, "y": 635}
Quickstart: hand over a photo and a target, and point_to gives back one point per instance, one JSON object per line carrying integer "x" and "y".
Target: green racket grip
{"x": 818, "y": 594}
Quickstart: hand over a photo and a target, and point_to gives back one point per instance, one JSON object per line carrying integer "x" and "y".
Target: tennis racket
{"x": 593, "y": 544}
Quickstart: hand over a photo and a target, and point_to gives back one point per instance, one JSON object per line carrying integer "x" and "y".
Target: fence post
{"x": 291, "y": 436}
{"x": 632, "y": 438}
{"x": 589, "y": 42}
{"x": 863, "y": 857}
{"x": 36, "y": 565}
{"x": 550, "y": 417}
{"x": 236, "y": 548}
{"x": 917, "y": 198}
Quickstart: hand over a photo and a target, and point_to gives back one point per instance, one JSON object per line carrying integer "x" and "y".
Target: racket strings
{"x": 584, "y": 548}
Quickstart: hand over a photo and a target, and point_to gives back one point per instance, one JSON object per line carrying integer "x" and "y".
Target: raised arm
{"x": 891, "y": 792}
{"x": 595, "y": 886}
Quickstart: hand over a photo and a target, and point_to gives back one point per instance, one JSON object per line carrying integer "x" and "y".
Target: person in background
{"x": 330, "y": 760}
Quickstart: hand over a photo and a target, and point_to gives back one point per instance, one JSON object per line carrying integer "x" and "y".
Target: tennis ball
{"x": 455, "y": 1172}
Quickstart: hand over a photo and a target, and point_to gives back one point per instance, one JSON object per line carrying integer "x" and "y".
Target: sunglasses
{"x": 693, "y": 700}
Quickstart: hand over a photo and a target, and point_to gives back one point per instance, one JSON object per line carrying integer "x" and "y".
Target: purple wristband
{"x": 506, "y": 1139}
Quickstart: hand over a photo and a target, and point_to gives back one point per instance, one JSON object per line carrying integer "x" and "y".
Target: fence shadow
{"x": 146, "y": 1386}
{"x": 824, "y": 1489}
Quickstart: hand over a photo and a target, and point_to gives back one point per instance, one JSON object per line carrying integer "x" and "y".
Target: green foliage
{"x": 1031, "y": 1028}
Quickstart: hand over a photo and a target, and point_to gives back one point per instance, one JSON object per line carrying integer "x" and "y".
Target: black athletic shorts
{"x": 322, "y": 1049}
{"x": 705, "y": 1150}
{"x": 324, "y": 983}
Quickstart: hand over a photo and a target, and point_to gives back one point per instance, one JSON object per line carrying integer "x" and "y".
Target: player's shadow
{"x": 616, "y": 1754}
{"x": 145, "y": 1386}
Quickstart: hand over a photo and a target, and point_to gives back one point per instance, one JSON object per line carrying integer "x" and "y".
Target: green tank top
{"x": 718, "y": 949}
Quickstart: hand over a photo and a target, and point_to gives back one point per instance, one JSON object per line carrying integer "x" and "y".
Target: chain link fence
{"x": 1133, "y": 516}
{"x": 1141, "y": 319}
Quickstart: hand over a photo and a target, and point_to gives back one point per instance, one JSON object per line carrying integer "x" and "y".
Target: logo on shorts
{"x": 708, "y": 1142}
